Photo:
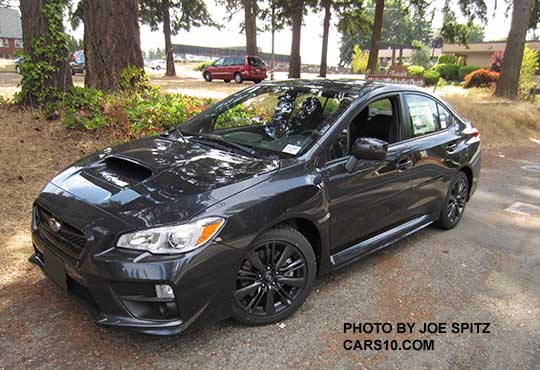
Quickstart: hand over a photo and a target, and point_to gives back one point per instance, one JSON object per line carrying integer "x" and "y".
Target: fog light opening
{"x": 164, "y": 291}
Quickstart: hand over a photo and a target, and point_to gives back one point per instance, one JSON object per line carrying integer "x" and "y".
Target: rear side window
{"x": 423, "y": 114}
{"x": 255, "y": 61}
{"x": 445, "y": 118}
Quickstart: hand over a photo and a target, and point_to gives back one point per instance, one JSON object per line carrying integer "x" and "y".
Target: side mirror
{"x": 367, "y": 148}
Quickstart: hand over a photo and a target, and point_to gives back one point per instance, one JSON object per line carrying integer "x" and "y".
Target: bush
{"x": 480, "y": 78}
{"x": 447, "y": 59}
{"x": 359, "y": 60}
{"x": 450, "y": 72}
{"x": 431, "y": 77}
{"x": 529, "y": 66}
{"x": 465, "y": 70}
{"x": 203, "y": 65}
{"x": 415, "y": 70}
{"x": 128, "y": 115}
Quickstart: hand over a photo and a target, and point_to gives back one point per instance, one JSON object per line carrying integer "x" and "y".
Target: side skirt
{"x": 377, "y": 242}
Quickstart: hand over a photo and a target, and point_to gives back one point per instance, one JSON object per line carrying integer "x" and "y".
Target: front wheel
{"x": 207, "y": 77}
{"x": 275, "y": 277}
{"x": 455, "y": 202}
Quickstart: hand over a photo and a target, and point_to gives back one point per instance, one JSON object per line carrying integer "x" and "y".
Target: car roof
{"x": 355, "y": 86}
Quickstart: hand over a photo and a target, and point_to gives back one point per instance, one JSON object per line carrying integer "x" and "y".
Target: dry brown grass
{"x": 501, "y": 122}
{"x": 32, "y": 151}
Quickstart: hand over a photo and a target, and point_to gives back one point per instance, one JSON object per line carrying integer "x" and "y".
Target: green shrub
{"x": 431, "y": 77}
{"x": 450, "y": 72}
{"x": 447, "y": 59}
{"x": 465, "y": 70}
{"x": 480, "y": 78}
{"x": 130, "y": 114}
{"x": 203, "y": 65}
{"x": 415, "y": 70}
{"x": 529, "y": 66}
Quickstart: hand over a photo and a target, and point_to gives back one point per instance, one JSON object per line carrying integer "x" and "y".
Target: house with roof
{"x": 479, "y": 53}
{"x": 10, "y": 32}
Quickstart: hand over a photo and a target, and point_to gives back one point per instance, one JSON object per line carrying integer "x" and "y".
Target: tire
{"x": 257, "y": 81}
{"x": 226, "y": 81}
{"x": 207, "y": 76}
{"x": 455, "y": 202}
{"x": 158, "y": 68}
{"x": 238, "y": 78}
{"x": 275, "y": 277}
{"x": 72, "y": 72}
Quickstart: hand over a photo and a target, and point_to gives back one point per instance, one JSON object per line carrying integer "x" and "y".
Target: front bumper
{"x": 117, "y": 286}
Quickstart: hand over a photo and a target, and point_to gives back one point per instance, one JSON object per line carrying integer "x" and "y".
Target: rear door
{"x": 434, "y": 145}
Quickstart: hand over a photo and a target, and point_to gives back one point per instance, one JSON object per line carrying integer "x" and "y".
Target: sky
{"x": 496, "y": 28}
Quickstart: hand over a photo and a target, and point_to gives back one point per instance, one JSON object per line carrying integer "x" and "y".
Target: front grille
{"x": 69, "y": 240}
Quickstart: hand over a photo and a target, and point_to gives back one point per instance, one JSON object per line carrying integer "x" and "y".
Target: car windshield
{"x": 282, "y": 120}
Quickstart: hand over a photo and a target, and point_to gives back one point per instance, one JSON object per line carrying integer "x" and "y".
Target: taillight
{"x": 475, "y": 133}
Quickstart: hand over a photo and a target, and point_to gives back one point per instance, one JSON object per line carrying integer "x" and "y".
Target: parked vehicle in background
{"x": 158, "y": 64}
{"x": 239, "y": 69}
{"x": 237, "y": 211}
{"x": 78, "y": 62}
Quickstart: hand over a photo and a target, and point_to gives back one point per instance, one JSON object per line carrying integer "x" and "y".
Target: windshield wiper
{"x": 229, "y": 143}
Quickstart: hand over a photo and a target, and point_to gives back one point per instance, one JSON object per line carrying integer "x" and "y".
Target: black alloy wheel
{"x": 275, "y": 278}
{"x": 455, "y": 203}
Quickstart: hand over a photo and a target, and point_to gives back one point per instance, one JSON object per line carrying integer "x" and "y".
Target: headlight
{"x": 173, "y": 239}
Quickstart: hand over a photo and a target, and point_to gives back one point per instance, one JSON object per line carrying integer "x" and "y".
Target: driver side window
{"x": 378, "y": 120}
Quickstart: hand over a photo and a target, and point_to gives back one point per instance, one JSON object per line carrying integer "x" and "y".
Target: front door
{"x": 374, "y": 196}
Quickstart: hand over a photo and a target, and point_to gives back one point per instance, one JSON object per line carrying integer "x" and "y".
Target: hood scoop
{"x": 119, "y": 171}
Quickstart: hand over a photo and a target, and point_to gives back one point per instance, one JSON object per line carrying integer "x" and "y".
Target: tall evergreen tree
{"x": 111, "y": 41}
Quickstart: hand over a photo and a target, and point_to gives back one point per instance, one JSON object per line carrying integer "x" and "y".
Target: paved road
{"x": 485, "y": 270}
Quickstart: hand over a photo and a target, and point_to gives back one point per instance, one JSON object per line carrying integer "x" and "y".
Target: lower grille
{"x": 68, "y": 240}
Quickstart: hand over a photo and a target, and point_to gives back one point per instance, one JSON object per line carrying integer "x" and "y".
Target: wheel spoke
{"x": 284, "y": 256}
{"x": 247, "y": 275}
{"x": 269, "y": 307}
{"x": 242, "y": 292}
{"x": 285, "y": 297}
{"x": 292, "y": 267}
{"x": 255, "y": 260}
{"x": 256, "y": 299}
{"x": 297, "y": 282}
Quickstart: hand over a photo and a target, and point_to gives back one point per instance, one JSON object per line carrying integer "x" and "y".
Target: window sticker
{"x": 291, "y": 149}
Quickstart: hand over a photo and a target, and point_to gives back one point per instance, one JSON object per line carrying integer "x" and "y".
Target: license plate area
{"x": 55, "y": 269}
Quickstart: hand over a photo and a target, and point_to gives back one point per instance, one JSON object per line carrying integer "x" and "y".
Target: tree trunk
{"x": 111, "y": 41}
{"x": 168, "y": 44}
{"x": 327, "y": 4}
{"x": 251, "y": 26}
{"x": 295, "y": 63}
{"x": 35, "y": 26}
{"x": 273, "y": 60}
{"x": 375, "y": 37}
{"x": 508, "y": 83}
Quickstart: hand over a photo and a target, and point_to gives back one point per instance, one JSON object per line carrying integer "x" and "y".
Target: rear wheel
{"x": 207, "y": 76}
{"x": 257, "y": 81}
{"x": 275, "y": 277}
{"x": 455, "y": 202}
{"x": 226, "y": 81}
{"x": 238, "y": 78}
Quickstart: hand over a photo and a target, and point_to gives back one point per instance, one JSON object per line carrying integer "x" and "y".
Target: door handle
{"x": 451, "y": 147}
{"x": 404, "y": 164}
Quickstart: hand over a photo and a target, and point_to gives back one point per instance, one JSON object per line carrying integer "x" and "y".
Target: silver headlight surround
{"x": 173, "y": 239}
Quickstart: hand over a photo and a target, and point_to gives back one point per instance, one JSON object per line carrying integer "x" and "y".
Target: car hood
{"x": 159, "y": 180}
